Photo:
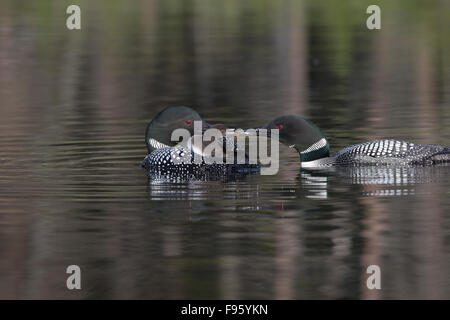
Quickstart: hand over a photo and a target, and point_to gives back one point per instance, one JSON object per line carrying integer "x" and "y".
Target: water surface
{"x": 75, "y": 104}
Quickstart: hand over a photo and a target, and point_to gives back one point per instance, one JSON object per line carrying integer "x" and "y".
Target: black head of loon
{"x": 300, "y": 134}
{"x": 159, "y": 131}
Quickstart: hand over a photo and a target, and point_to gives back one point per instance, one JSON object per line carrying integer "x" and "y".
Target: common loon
{"x": 312, "y": 145}
{"x": 169, "y": 160}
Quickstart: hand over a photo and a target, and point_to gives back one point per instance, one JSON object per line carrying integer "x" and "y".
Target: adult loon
{"x": 169, "y": 160}
{"x": 312, "y": 145}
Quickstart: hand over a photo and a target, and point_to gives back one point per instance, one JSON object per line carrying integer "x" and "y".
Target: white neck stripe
{"x": 156, "y": 144}
{"x": 319, "y": 144}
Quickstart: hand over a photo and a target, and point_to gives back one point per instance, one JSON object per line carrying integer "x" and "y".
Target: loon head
{"x": 300, "y": 134}
{"x": 159, "y": 130}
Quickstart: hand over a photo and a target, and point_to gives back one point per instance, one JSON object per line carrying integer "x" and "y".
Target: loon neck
{"x": 319, "y": 149}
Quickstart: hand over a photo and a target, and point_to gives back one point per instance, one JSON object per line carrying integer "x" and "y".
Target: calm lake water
{"x": 74, "y": 106}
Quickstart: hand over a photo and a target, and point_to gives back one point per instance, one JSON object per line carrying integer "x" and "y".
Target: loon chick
{"x": 312, "y": 145}
{"x": 175, "y": 161}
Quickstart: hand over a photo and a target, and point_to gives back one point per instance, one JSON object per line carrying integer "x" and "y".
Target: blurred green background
{"x": 73, "y": 110}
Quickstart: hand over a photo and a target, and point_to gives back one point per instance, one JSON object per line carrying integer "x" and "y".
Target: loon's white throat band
{"x": 322, "y": 162}
{"x": 316, "y": 146}
{"x": 156, "y": 144}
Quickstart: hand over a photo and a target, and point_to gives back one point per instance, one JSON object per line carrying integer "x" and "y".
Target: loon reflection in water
{"x": 367, "y": 181}
{"x": 373, "y": 180}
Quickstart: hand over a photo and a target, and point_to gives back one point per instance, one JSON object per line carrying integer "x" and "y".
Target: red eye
{"x": 188, "y": 122}
{"x": 280, "y": 126}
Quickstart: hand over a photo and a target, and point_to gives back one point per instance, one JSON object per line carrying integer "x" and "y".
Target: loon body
{"x": 183, "y": 161}
{"x": 313, "y": 147}
{"x": 177, "y": 163}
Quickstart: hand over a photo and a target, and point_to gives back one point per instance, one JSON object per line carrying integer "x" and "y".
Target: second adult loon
{"x": 172, "y": 160}
{"x": 312, "y": 145}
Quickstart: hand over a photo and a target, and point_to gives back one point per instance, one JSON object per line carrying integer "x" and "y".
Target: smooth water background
{"x": 74, "y": 106}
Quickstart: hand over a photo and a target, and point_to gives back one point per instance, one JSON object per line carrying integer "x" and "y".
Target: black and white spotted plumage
{"x": 391, "y": 152}
{"x": 178, "y": 164}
